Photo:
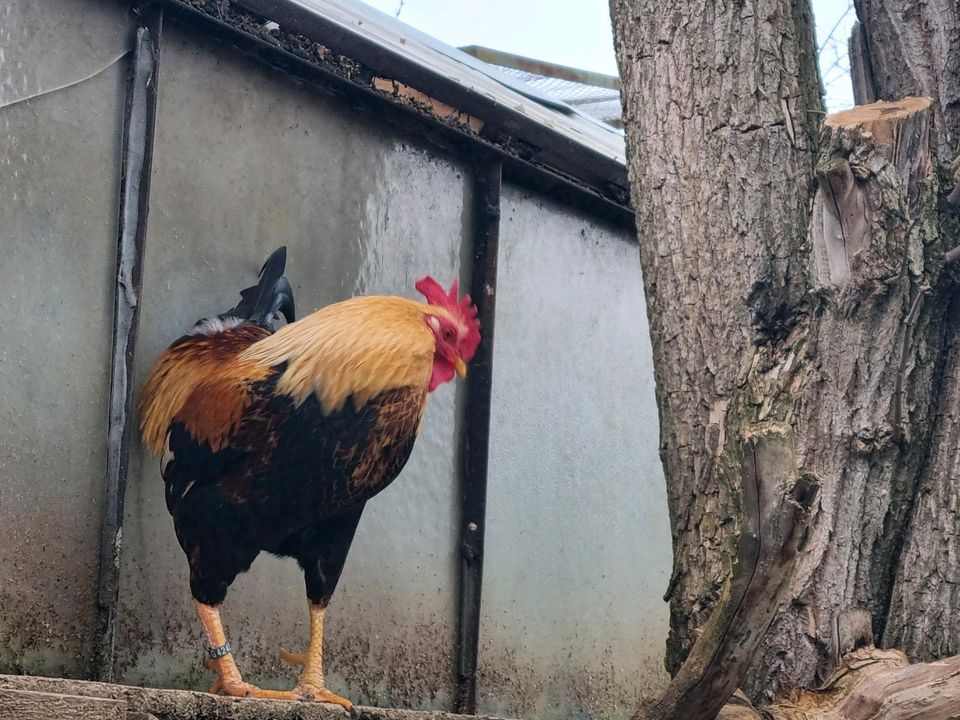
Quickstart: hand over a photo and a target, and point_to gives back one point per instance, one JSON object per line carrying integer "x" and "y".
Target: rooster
{"x": 273, "y": 439}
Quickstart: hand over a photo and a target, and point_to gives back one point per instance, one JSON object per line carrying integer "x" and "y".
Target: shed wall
{"x": 577, "y": 535}
{"x": 247, "y": 159}
{"x": 61, "y": 90}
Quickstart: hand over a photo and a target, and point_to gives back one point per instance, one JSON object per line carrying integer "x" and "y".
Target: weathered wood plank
{"x": 870, "y": 684}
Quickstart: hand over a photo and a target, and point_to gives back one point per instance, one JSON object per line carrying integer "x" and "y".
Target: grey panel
{"x": 46, "y": 45}
{"x": 577, "y": 550}
{"x": 59, "y": 177}
{"x": 246, "y": 160}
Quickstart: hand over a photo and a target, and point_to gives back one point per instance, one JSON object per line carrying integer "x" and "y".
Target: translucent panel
{"x": 59, "y": 183}
{"x": 46, "y": 45}
{"x": 577, "y": 540}
{"x": 247, "y": 160}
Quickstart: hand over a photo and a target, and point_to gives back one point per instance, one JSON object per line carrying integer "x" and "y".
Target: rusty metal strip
{"x": 139, "y": 123}
{"x": 476, "y": 437}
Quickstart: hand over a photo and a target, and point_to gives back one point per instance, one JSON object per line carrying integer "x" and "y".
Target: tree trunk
{"x": 825, "y": 316}
{"x": 776, "y": 509}
{"x": 864, "y": 407}
{"x": 912, "y": 48}
{"x": 867, "y": 684}
{"x": 722, "y": 109}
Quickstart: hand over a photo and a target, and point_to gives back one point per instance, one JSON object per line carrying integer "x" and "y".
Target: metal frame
{"x": 139, "y": 122}
{"x": 476, "y": 432}
{"x": 565, "y": 139}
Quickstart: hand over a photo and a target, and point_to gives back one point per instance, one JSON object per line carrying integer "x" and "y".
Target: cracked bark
{"x": 913, "y": 47}
{"x": 798, "y": 278}
{"x": 722, "y": 109}
{"x": 776, "y": 504}
{"x": 863, "y": 404}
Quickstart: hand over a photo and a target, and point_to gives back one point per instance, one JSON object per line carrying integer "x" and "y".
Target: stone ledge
{"x": 28, "y": 705}
{"x": 189, "y": 705}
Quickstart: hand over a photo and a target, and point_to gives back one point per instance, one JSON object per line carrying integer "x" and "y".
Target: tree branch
{"x": 776, "y": 508}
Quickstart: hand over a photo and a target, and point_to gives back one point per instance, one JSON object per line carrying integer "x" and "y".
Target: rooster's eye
{"x": 448, "y": 334}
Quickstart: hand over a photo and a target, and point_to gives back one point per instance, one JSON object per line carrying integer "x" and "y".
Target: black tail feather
{"x": 282, "y": 302}
{"x": 273, "y": 294}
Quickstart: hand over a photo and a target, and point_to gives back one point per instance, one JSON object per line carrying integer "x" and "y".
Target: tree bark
{"x": 828, "y": 316}
{"x": 866, "y": 684}
{"x": 913, "y": 47}
{"x": 722, "y": 109}
{"x": 861, "y": 74}
{"x": 776, "y": 506}
{"x": 864, "y": 406}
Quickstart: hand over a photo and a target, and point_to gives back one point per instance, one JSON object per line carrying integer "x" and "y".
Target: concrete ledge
{"x": 188, "y": 705}
{"x": 27, "y": 705}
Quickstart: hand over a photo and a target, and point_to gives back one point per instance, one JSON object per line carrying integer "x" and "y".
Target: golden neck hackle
{"x": 356, "y": 348}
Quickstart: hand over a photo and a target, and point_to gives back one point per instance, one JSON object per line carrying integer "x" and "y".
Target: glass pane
{"x": 59, "y": 184}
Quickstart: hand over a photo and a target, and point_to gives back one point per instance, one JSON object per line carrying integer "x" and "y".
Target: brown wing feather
{"x": 200, "y": 378}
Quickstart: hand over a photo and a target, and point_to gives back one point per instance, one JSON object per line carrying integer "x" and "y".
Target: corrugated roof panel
{"x": 600, "y": 103}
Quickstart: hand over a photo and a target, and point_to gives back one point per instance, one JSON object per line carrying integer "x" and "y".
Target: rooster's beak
{"x": 461, "y": 367}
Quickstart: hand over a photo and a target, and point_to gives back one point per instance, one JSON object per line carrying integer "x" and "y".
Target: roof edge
{"x": 570, "y": 143}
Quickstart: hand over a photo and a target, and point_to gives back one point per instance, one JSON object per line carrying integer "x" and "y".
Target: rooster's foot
{"x": 246, "y": 690}
{"x": 318, "y": 693}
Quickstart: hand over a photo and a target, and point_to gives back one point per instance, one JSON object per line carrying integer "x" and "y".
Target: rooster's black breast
{"x": 289, "y": 465}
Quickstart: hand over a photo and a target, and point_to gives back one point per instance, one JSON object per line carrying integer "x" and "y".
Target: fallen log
{"x": 870, "y": 684}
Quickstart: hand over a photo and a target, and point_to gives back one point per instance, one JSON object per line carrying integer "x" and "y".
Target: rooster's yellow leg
{"x": 311, "y": 683}
{"x": 228, "y": 679}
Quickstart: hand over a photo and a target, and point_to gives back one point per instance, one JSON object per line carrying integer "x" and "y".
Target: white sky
{"x": 579, "y": 35}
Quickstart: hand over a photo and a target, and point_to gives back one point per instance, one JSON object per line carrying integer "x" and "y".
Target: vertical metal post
{"x": 139, "y": 122}
{"x": 476, "y": 437}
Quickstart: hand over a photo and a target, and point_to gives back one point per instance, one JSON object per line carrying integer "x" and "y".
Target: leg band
{"x": 219, "y": 652}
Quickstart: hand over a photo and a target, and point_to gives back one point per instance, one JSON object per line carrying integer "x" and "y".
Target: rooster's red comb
{"x": 462, "y": 309}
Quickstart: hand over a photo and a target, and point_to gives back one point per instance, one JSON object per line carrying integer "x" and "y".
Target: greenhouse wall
{"x": 247, "y": 158}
